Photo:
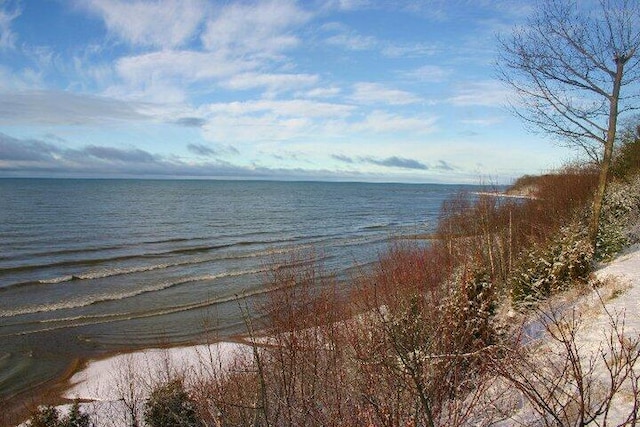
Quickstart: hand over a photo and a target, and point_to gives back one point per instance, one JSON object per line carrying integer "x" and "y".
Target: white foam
{"x": 94, "y": 299}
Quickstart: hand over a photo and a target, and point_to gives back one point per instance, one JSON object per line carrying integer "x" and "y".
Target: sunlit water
{"x": 94, "y": 266}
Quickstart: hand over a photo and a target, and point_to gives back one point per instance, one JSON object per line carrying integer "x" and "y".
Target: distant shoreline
{"x": 504, "y": 195}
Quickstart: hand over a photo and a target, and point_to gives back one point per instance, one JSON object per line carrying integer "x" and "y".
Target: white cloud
{"x": 190, "y": 66}
{"x": 322, "y": 92}
{"x": 272, "y": 82}
{"x": 22, "y": 80}
{"x": 488, "y": 121}
{"x": 7, "y": 36}
{"x": 429, "y": 73}
{"x": 383, "y": 122}
{"x": 163, "y": 23}
{"x": 488, "y": 93}
{"x": 262, "y": 29}
{"x": 348, "y": 5}
{"x": 352, "y": 41}
{"x": 291, "y": 108}
{"x": 63, "y": 108}
{"x": 166, "y": 75}
{"x": 409, "y": 50}
{"x": 373, "y": 93}
{"x": 254, "y": 129}
{"x": 347, "y": 38}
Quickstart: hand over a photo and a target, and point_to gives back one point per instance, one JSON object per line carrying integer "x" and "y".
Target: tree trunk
{"x": 608, "y": 151}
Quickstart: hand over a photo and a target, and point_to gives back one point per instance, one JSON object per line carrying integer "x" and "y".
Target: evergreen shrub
{"x": 170, "y": 405}
{"x": 620, "y": 220}
{"x": 547, "y": 268}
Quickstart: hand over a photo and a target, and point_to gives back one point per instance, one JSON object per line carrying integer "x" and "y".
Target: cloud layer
{"x": 326, "y": 89}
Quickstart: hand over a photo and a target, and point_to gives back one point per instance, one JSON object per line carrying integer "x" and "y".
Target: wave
{"x": 78, "y": 321}
{"x": 111, "y": 272}
{"x": 119, "y": 258}
{"x": 96, "y": 299}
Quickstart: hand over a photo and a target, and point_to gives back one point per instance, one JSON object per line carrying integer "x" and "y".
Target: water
{"x": 94, "y": 266}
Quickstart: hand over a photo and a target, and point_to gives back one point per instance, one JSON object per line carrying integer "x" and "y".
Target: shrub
{"x": 472, "y": 305}
{"x": 545, "y": 269}
{"x": 75, "y": 418}
{"x": 620, "y": 220}
{"x": 170, "y": 405}
{"x": 626, "y": 161}
{"x": 48, "y": 416}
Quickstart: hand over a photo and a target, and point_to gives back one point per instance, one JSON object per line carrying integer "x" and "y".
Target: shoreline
{"x": 85, "y": 376}
{"x": 504, "y": 195}
{"x": 55, "y": 391}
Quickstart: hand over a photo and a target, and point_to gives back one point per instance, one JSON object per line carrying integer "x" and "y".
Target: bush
{"x": 546, "y": 269}
{"x": 48, "y": 416}
{"x": 620, "y": 219}
{"x": 170, "y": 405}
{"x": 626, "y": 161}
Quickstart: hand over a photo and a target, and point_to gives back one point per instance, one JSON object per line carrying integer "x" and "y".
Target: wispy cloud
{"x": 406, "y": 50}
{"x": 389, "y": 162}
{"x": 111, "y": 154}
{"x": 488, "y": 93}
{"x": 163, "y": 23}
{"x": 445, "y": 166}
{"x": 201, "y": 150}
{"x": 343, "y": 158}
{"x": 173, "y": 71}
{"x": 346, "y": 38}
{"x": 209, "y": 151}
{"x": 429, "y": 74}
{"x": 483, "y": 122}
{"x": 7, "y": 15}
{"x": 397, "y": 162}
{"x": 384, "y": 122}
{"x": 294, "y": 107}
{"x": 63, "y": 108}
{"x": 373, "y": 93}
{"x": 272, "y": 82}
{"x": 323, "y": 92}
{"x": 261, "y": 29}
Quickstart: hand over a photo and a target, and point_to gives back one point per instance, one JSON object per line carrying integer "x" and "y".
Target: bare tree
{"x": 574, "y": 67}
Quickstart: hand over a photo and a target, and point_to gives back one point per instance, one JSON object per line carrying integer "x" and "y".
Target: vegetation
{"x": 422, "y": 338}
{"x": 572, "y": 68}
{"x": 170, "y": 405}
{"x": 48, "y": 416}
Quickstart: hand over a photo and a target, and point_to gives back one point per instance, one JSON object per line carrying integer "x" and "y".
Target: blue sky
{"x": 277, "y": 89}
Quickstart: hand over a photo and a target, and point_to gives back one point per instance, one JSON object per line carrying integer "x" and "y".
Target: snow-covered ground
{"x": 110, "y": 387}
{"x": 598, "y": 329}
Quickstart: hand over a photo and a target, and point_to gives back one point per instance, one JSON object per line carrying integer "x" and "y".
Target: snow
{"x": 615, "y": 301}
{"x": 111, "y": 387}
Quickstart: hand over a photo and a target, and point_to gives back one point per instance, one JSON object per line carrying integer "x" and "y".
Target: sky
{"x": 338, "y": 90}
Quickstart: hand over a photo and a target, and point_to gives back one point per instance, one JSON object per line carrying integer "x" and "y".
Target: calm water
{"x": 92, "y": 266}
